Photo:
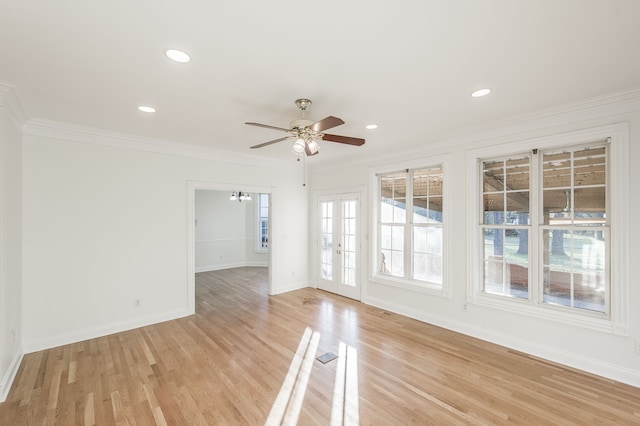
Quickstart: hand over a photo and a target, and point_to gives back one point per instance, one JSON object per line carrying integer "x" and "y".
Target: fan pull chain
{"x": 304, "y": 171}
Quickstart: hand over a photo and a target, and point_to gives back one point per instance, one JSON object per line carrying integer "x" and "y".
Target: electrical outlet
{"x": 638, "y": 347}
{"x": 464, "y": 307}
{"x": 13, "y": 336}
{"x": 137, "y": 303}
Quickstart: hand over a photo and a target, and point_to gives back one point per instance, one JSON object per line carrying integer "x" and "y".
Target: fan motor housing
{"x": 300, "y": 123}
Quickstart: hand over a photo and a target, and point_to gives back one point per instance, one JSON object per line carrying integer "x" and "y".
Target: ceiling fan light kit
{"x": 307, "y": 133}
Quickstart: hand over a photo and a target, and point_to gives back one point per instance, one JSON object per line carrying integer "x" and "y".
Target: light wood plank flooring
{"x": 246, "y": 358}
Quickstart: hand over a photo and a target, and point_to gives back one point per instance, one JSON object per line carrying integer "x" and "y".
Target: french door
{"x": 339, "y": 244}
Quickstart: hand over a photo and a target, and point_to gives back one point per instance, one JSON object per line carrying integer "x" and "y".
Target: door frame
{"x": 192, "y": 187}
{"x": 363, "y": 227}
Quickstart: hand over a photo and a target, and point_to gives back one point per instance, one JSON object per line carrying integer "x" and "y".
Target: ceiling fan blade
{"x": 266, "y": 126}
{"x": 326, "y": 123}
{"x": 270, "y": 142}
{"x": 343, "y": 139}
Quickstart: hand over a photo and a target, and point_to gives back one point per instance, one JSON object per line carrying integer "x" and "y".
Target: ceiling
{"x": 408, "y": 66}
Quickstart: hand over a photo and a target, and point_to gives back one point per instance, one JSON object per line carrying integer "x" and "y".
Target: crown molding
{"x": 92, "y": 136}
{"x": 608, "y": 105}
{"x": 10, "y": 102}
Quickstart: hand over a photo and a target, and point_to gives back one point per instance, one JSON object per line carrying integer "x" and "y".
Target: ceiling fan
{"x": 307, "y": 133}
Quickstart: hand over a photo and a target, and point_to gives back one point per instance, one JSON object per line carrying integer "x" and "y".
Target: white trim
{"x": 619, "y": 191}
{"x": 612, "y": 104}
{"x": 291, "y": 287}
{"x": 10, "y": 375}
{"x": 100, "y": 331}
{"x": 412, "y": 285}
{"x": 446, "y": 289}
{"x": 10, "y": 101}
{"x": 590, "y": 365}
{"x": 53, "y": 130}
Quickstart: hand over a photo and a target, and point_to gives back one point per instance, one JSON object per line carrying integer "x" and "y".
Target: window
{"x": 263, "y": 221}
{"x": 544, "y": 228}
{"x": 410, "y": 226}
{"x": 571, "y": 226}
{"x": 505, "y": 225}
{"x": 575, "y": 229}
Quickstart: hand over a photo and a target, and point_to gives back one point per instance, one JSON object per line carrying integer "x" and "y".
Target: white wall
{"x": 599, "y": 352}
{"x": 10, "y": 240}
{"x": 105, "y": 222}
{"x": 225, "y": 232}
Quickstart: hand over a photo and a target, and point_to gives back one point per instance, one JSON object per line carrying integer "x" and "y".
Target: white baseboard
{"x": 291, "y": 287}
{"x": 593, "y": 366}
{"x": 10, "y": 375}
{"x": 228, "y": 266}
{"x": 91, "y": 333}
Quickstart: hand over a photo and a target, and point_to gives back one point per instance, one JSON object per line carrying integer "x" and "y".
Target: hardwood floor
{"x": 246, "y": 358}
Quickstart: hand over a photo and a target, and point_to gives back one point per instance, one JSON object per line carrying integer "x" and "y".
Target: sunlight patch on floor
{"x": 288, "y": 403}
{"x": 344, "y": 408}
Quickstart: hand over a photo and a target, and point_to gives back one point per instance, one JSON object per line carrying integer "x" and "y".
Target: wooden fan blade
{"x": 270, "y": 142}
{"x": 343, "y": 139}
{"x": 266, "y": 126}
{"x": 326, "y": 123}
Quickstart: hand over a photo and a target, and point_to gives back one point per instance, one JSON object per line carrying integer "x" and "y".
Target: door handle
{"x": 339, "y": 252}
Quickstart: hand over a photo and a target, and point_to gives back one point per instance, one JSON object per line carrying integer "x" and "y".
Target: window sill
{"x": 417, "y": 286}
{"x": 589, "y": 320}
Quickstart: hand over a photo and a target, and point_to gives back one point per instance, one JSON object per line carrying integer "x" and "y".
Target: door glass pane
{"x": 348, "y": 242}
{"x": 326, "y": 240}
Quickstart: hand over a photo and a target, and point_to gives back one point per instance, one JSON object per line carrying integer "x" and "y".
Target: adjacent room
{"x": 335, "y": 213}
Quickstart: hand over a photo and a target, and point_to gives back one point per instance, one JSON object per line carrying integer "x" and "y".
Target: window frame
{"x": 375, "y": 275}
{"x": 616, "y": 321}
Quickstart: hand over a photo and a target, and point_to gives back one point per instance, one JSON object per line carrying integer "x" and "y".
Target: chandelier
{"x": 240, "y": 196}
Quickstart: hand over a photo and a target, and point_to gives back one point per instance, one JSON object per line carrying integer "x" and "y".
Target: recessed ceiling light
{"x": 371, "y": 126}
{"x": 145, "y": 108}
{"x": 177, "y": 55}
{"x": 481, "y": 92}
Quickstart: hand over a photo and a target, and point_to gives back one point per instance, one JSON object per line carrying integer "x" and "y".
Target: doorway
{"x": 255, "y": 224}
{"x": 339, "y": 244}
